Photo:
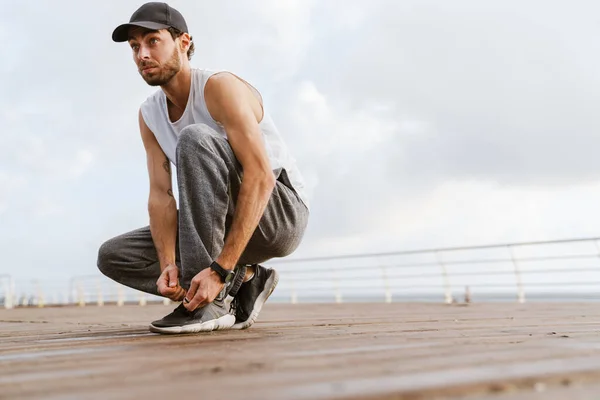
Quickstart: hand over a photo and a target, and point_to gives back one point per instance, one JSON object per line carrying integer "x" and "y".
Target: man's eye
{"x": 153, "y": 41}
{"x": 135, "y": 47}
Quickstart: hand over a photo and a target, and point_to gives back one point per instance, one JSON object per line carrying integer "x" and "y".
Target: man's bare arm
{"x": 231, "y": 103}
{"x": 162, "y": 207}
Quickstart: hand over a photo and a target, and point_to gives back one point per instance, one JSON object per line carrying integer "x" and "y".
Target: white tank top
{"x": 156, "y": 116}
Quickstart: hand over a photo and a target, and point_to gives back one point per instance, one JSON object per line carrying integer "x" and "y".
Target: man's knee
{"x": 194, "y": 135}
{"x": 107, "y": 256}
{"x": 285, "y": 249}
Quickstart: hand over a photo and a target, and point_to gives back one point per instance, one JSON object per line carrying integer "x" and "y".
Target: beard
{"x": 164, "y": 72}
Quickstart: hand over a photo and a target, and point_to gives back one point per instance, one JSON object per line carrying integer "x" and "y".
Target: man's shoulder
{"x": 150, "y": 109}
{"x": 224, "y": 84}
{"x": 153, "y": 98}
{"x": 221, "y": 74}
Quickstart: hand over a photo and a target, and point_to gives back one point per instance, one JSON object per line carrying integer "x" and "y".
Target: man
{"x": 241, "y": 197}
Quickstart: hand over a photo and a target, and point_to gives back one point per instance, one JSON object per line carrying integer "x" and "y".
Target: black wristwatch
{"x": 226, "y": 275}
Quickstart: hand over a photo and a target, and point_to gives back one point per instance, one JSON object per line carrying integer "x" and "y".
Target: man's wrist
{"x": 164, "y": 265}
{"x": 225, "y": 263}
{"x": 226, "y": 276}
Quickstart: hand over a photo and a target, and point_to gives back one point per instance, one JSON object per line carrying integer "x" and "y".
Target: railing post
{"x": 597, "y": 247}
{"x": 10, "y": 299}
{"x": 120, "y": 297}
{"x": 446, "y": 281}
{"x": 71, "y": 296}
{"x": 8, "y": 292}
{"x": 336, "y": 288}
{"x": 519, "y": 282}
{"x": 143, "y": 300}
{"x": 100, "y": 299}
{"x": 386, "y": 285}
{"x": 41, "y": 301}
{"x": 80, "y": 295}
{"x": 293, "y": 294}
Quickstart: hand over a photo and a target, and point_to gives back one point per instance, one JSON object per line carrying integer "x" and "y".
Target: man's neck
{"x": 178, "y": 88}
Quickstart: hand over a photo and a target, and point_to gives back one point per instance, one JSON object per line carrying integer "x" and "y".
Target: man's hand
{"x": 168, "y": 283}
{"x": 205, "y": 286}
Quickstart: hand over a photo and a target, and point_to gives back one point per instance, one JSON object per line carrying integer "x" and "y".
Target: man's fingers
{"x": 162, "y": 278}
{"x": 191, "y": 292}
{"x": 194, "y": 285}
{"x": 166, "y": 291}
{"x": 172, "y": 277}
{"x": 196, "y": 302}
{"x": 175, "y": 294}
{"x": 179, "y": 295}
{"x": 195, "y": 295}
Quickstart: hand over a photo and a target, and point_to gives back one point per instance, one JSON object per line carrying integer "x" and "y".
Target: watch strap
{"x": 223, "y": 273}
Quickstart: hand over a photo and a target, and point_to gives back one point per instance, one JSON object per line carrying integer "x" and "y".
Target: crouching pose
{"x": 241, "y": 196}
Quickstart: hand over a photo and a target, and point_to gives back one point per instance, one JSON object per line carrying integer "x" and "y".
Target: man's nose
{"x": 143, "y": 53}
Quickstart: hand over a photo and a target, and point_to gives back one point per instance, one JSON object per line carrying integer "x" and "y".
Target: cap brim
{"x": 121, "y": 33}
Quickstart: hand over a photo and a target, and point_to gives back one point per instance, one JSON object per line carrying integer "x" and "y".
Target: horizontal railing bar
{"x": 447, "y": 263}
{"x": 327, "y": 278}
{"x": 565, "y": 270}
{"x": 340, "y": 285}
{"x": 389, "y": 276}
{"x": 90, "y": 278}
{"x": 498, "y": 272}
{"x": 534, "y": 284}
{"x": 327, "y": 289}
{"x": 433, "y": 250}
{"x": 535, "y": 296}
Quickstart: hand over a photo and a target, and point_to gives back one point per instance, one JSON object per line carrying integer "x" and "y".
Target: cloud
{"x": 495, "y": 101}
{"x": 83, "y": 161}
{"x": 10, "y": 184}
{"x": 415, "y": 123}
{"x": 509, "y": 90}
{"x": 46, "y": 207}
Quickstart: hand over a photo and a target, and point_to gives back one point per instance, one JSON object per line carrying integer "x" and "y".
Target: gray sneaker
{"x": 211, "y": 317}
{"x": 251, "y": 296}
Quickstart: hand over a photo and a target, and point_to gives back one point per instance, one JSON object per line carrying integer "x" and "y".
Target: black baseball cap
{"x": 153, "y": 16}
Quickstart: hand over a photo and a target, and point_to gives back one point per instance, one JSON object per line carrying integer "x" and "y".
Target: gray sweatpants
{"x": 209, "y": 178}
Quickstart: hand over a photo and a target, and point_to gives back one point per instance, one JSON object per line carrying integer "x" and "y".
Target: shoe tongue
{"x": 181, "y": 309}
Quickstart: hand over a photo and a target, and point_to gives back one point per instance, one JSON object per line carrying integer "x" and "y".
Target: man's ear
{"x": 185, "y": 40}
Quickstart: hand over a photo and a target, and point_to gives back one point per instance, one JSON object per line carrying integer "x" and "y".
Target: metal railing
{"x": 546, "y": 270}
{"x": 99, "y": 290}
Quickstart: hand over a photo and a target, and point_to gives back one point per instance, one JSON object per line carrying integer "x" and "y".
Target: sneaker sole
{"x": 260, "y": 300}
{"x": 224, "y": 322}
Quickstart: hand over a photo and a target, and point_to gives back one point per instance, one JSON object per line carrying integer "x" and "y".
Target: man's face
{"x": 156, "y": 55}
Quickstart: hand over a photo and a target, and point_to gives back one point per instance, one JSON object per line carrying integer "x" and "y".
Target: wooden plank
{"x": 303, "y": 351}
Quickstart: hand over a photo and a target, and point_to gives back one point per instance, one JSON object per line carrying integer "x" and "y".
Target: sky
{"x": 416, "y": 124}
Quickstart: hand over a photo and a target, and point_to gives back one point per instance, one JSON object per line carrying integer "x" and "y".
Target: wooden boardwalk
{"x": 347, "y": 351}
